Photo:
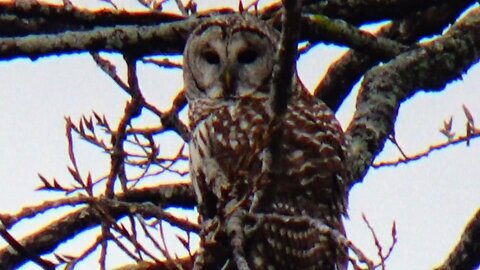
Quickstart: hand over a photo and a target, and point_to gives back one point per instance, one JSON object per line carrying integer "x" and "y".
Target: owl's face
{"x": 229, "y": 57}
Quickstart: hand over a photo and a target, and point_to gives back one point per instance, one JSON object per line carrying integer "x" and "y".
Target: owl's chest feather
{"x": 233, "y": 136}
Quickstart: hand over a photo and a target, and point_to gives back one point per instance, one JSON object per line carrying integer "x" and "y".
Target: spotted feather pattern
{"x": 261, "y": 180}
{"x": 229, "y": 150}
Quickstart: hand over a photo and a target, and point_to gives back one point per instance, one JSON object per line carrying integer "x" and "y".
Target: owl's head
{"x": 229, "y": 57}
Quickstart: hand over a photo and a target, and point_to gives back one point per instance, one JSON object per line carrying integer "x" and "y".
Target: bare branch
{"x": 368, "y": 11}
{"x": 45, "y": 264}
{"x": 41, "y": 18}
{"x": 181, "y": 7}
{"x": 382, "y": 256}
{"x": 169, "y": 120}
{"x": 385, "y": 88}
{"x": 166, "y": 38}
{"x": 319, "y": 28}
{"x": 133, "y": 109}
{"x": 164, "y": 63}
{"x": 32, "y": 211}
{"x": 345, "y": 72}
{"x": 426, "y": 153}
{"x": 284, "y": 70}
{"x": 48, "y": 238}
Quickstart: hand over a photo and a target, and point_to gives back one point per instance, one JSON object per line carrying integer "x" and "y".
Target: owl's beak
{"x": 228, "y": 90}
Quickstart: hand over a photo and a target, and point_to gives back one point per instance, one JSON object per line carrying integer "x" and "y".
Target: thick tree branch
{"x": 168, "y": 38}
{"x": 119, "y": 31}
{"x": 346, "y": 71}
{"x": 35, "y": 17}
{"x": 367, "y": 11}
{"x": 358, "y": 12}
{"x": 319, "y": 28}
{"x": 384, "y": 88}
{"x": 466, "y": 255}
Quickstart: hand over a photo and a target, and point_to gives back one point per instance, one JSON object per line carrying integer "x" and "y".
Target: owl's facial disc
{"x": 207, "y": 60}
{"x": 230, "y": 64}
{"x": 251, "y": 55}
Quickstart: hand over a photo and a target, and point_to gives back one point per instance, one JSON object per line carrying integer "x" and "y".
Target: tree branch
{"x": 47, "y": 239}
{"x": 368, "y": 11}
{"x": 385, "y": 88}
{"x": 41, "y": 18}
{"x": 346, "y": 71}
{"x": 466, "y": 255}
{"x": 319, "y": 28}
{"x": 17, "y": 247}
{"x": 283, "y": 73}
{"x": 425, "y": 153}
{"x": 168, "y": 38}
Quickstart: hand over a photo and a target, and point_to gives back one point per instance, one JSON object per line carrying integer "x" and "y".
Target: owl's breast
{"x": 231, "y": 140}
{"x": 239, "y": 136}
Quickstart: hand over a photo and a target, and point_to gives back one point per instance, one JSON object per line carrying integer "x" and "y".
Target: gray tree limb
{"x": 384, "y": 88}
{"x": 47, "y": 239}
{"x": 465, "y": 256}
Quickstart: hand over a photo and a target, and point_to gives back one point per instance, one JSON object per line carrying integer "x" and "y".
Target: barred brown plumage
{"x": 228, "y": 63}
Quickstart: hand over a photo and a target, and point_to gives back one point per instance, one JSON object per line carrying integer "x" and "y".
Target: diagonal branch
{"x": 465, "y": 255}
{"x": 17, "y": 247}
{"x": 319, "y": 28}
{"x": 385, "y": 88}
{"x": 345, "y": 72}
{"x": 133, "y": 109}
{"x": 49, "y": 238}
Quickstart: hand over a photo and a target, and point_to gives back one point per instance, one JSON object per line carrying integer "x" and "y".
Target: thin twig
{"x": 181, "y": 7}
{"x": 427, "y": 152}
{"x": 164, "y": 63}
{"x": 383, "y": 258}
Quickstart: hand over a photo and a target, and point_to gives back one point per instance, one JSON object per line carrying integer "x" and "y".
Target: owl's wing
{"x": 310, "y": 189}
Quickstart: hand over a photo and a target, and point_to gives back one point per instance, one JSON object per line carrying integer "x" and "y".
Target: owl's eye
{"x": 247, "y": 56}
{"x": 211, "y": 57}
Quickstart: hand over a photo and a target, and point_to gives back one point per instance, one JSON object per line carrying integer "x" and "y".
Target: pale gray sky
{"x": 430, "y": 199}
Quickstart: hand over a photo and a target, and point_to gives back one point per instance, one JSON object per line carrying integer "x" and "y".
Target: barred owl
{"x": 228, "y": 64}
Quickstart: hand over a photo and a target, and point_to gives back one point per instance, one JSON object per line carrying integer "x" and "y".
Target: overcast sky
{"x": 430, "y": 200}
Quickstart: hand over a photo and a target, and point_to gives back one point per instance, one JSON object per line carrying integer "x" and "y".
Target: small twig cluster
{"x": 471, "y": 132}
{"x": 129, "y": 148}
{"x": 383, "y": 256}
